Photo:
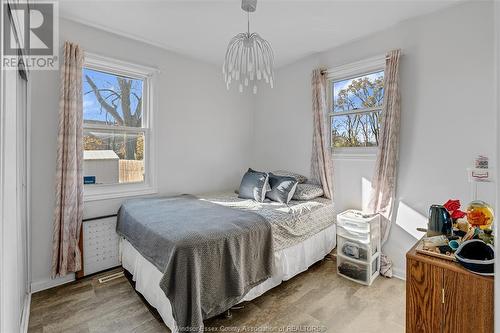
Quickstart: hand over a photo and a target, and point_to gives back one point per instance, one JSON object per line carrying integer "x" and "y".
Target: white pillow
{"x": 308, "y": 192}
{"x": 300, "y": 178}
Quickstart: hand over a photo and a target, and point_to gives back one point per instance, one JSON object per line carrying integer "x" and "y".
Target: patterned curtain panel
{"x": 385, "y": 175}
{"x": 321, "y": 158}
{"x": 68, "y": 214}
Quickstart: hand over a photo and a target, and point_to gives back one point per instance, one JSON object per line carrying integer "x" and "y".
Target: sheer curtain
{"x": 385, "y": 175}
{"x": 68, "y": 214}
{"x": 321, "y": 158}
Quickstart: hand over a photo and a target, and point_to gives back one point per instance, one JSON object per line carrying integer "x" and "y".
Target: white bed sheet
{"x": 289, "y": 262}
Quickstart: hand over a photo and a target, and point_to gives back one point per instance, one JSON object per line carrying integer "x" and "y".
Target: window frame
{"x": 349, "y": 71}
{"x": 148, "y": 75}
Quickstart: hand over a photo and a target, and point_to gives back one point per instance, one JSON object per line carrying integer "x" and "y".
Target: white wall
{"x": 447, "y": 113}
{"x": 203, "y": 132}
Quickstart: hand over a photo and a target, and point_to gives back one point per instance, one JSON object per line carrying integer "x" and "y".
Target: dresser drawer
{"x": 361, "y": 272}
{"x": 356, "y": 250}
{"x": 358, "y": 222}
{"x": 365, "y": 238}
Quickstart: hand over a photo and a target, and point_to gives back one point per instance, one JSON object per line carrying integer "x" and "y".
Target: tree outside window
{"x": 356, "y": 110}
{"x": 113, "y": 123}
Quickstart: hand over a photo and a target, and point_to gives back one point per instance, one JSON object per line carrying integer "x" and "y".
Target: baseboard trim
{"x": 399, "y": 273}
{"x": 25, "y": 319}
{"x": 51, "y": 283}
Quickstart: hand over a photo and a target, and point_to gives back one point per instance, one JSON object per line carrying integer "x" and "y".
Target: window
{"x": 356, "y": 95}
{"x": 117, "y": 133}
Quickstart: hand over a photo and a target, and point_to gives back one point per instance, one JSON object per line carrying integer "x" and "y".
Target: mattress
{"x": 288, "y": 262}
{"x": 291, "y": 223}
{"x": 304, "y": 232}
{"x": 211, "y": 255}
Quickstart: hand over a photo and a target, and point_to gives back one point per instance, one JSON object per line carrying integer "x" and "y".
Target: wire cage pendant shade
{"x": 249, "y": 58}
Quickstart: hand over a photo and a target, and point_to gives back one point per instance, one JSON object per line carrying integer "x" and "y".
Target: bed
{"x": 303, "y": 232}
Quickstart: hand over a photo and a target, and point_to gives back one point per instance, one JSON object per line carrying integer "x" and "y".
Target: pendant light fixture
{"x": 249, "y": 57}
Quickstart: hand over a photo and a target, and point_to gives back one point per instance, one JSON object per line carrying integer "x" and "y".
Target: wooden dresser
{"x": 442, "y": 296}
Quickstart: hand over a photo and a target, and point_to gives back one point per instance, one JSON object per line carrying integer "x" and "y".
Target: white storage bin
{"x": 356, "y": 221}
{"x": 365, "y": 238}
{"x": 358, "y": 246}
{"x": 357, "y": 250}
{"x": 356, "y": 270}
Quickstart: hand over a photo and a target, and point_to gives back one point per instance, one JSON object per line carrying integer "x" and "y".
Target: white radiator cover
{"x": 100, "y": 245}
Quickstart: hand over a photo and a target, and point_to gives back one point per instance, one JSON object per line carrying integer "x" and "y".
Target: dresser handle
{"x": 442, "y": 295}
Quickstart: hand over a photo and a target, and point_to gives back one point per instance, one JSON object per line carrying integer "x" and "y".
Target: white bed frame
{"x": 288, "y": 263}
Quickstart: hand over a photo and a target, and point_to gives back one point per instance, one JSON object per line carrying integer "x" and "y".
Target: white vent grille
{"x": 100, "y": 245}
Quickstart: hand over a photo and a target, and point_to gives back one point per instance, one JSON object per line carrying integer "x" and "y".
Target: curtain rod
{"x": 325, "y": 71}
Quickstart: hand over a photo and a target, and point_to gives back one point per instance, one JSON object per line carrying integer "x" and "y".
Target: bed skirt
{"x": 289, "y": 262}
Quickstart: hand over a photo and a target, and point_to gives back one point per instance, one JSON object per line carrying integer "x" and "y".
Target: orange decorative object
{"x": 480, "y": 214}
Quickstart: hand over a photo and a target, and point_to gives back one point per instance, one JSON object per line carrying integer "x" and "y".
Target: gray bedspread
{"x": 210, "y": 255}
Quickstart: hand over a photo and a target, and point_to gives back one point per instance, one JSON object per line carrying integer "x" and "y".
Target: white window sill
{"x": 115, "y": 191}
{"x": 355, "y": 153}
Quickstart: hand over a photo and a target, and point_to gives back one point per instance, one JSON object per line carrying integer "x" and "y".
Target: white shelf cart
{"x": 358, "y": 246}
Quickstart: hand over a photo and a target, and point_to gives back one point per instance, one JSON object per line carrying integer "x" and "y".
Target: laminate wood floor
{"x": 315, "y": 301}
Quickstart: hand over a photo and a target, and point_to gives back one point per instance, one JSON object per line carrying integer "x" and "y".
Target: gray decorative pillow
{"x": 282, "y": 188}
{"x": 308, "y": 192}
{"x": 301, "y": 179}
{"x": 253, "y": 185}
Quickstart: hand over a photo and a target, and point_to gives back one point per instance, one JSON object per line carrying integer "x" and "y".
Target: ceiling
{"x": 202, "y": 29}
